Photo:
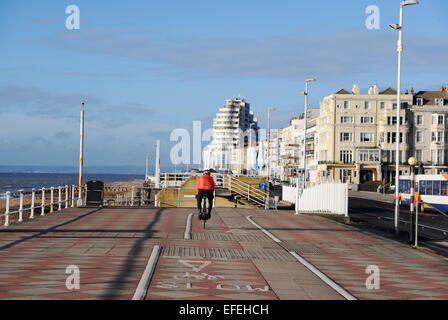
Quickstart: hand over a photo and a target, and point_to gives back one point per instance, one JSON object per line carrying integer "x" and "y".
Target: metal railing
{"x": 116, "y": 195}
{"x": 35, "y": 201}
{"x": 247, "y": 191}
{"x": 183, "y": 195}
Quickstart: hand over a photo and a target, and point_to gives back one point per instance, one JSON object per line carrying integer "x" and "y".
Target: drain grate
{"x": 227, "y": 254}
{"x": 232, "y": 237}
{"x": 302, "y": 248}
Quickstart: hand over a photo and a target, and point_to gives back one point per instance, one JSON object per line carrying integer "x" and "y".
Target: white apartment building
{"x": 357, "y": 135}
{"x": 430, "y": 130}
{"x": 291, "y": 148}
{"x": 233, "y": 127}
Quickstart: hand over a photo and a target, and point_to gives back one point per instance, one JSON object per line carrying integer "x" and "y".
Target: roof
{"x": 430, "y": 96}
{"x": 343, "y": 91}
{"x": 389, "y": 91}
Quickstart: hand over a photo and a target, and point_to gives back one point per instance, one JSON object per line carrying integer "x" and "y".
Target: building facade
{"x": 291, "y": 155}
{"x": 430, "y": 130}
{"x": 357, "y": 135}
{"x": 233, "y": 127}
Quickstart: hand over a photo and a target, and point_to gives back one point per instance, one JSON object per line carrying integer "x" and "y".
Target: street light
{"x": 269, "y": 140}
{"x": 304, "y": 129}
{"x": 250, "y": 153}
{"x": 399, "y": 27}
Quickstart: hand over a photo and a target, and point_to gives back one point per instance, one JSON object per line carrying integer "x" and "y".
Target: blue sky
{"x": 148, "y": 67}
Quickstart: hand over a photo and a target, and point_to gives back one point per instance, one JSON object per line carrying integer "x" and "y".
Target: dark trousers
{"x": 205, "y": 193}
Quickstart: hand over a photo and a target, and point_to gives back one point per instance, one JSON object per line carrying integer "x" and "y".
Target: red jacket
{"x": 205, "y": 183}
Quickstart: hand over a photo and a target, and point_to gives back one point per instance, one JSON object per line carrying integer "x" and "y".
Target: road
{"x": 370, "y": 211}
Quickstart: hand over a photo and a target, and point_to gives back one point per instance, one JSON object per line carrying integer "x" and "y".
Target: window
{"x": 422, "y": 187}
{"x": 346, "y": 105}
{"x": 346, "y": 119}
{"x": 366, "y": 119}
{"x": 418, "y": 136}
{"x": 346, "y": 156}
{"x": 429, "y": 188}
{"x": 438, "y": 119}
{"x": 382, "y": 105}
{"x": 393, "y": 120}
{"x": 418, "y": 155}
{"x": 394, "y": 106}
{"x": 366, "y": 137}
{"x": 443, "y": 188}
{"x": 369, "y": 155}
{"x": 382, "y": 137}
{"x": 404, "y": 186}
{"x": 419, "y": 101}
{"x": 391, "y": 137}
{"x": 433, "y": 156}
{"x": 419, "y": 120}
{"x": 437, "y": 136}
{"x": 366, "y": 105}
{"x": 439, "y": 102}
{"x": 345, "y": 175}
{"x": 346, "y": 137}
{"x": 436, "y": 188}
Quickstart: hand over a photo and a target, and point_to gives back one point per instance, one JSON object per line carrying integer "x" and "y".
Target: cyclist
{"x": 205, "y": 188}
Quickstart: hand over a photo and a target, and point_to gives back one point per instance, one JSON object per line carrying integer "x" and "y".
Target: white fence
{"x": 289, "y": 194}
{"x": 328, "y": 197}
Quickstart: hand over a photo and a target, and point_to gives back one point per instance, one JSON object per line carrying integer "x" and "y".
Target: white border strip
{"x": 323, "y": 277}
{"x": 143, "y": 285}
{"x": 270, "y": 235}
{"x": 187, "y": 234}
{"x": 308, "y": 265}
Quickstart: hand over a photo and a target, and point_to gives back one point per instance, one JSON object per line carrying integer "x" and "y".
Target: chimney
{"x": 442, "y": 89}
{"x": 412, "y": 90}
{"x": 407, "y": 92}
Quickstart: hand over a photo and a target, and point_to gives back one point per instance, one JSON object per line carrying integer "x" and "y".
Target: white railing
{"x": 247, "y": 191}
{"x": 45, "y": 200}
{"x": 324, "y": 198}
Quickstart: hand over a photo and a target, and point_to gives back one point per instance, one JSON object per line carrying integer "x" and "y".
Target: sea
{"x": 14, "y": 182}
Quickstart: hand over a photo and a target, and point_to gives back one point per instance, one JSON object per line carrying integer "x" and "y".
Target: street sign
{"x": 263, "y": 185}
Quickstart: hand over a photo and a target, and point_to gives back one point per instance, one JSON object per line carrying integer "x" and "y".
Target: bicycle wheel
{"x": 204, "y": 211}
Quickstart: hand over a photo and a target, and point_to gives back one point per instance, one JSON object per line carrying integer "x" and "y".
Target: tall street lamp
{"x": 304, "y": 129}
{"x": 269, "y": 141}
{"x": 399, "y": 27}
{"x": 81, "y": 155}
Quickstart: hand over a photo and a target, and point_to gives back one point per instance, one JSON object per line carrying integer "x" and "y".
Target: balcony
{"x": 369, "y": 155}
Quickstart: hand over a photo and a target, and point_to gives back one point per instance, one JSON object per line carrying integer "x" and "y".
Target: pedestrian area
{"x": 241, "y": 254}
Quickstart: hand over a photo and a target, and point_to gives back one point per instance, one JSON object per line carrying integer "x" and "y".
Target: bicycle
{"x": 204, "y": 211}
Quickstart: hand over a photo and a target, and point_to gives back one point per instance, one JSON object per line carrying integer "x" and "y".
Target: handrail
{"x": 246, "y": 190}
{"x": 438, "y": 210}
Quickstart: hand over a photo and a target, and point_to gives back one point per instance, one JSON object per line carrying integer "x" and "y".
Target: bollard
{"x": 33, "y": 198}
{"x": 51, "y": 199}
{"x": 42, "y": 212}
{"x": 416, "y": 224}
{"x": 21, "y": 206}
{"x": 8, "y": 199}
{"x": 66, "y": 197}
{"x": 73, "y": 196}
{"x": 178, "y": 198}
{"x": 60, "y": 198}
{"x": 132, "y": 195}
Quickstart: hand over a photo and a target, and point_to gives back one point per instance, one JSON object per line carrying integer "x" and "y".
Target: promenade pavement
{"x": 230, "y": 259}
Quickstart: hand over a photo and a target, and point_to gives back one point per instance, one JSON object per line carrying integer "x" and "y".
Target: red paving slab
{"x": 346, "y": 252}
{"x": 229, "y": 259}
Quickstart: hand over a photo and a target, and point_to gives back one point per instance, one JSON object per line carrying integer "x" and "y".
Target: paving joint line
{"x": 335, "y": 286}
